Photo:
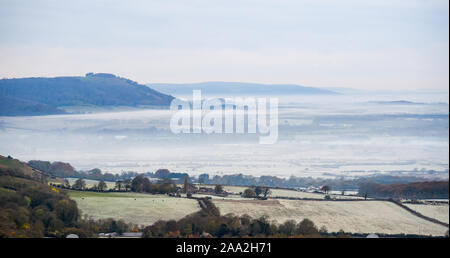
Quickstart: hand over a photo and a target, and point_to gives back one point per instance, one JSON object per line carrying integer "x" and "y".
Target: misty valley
{"x": 319, "y": 136}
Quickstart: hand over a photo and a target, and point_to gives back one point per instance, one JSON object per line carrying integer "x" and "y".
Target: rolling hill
{"x": 238, "y": 88}
{"x": 13, "y": 167}
{"x": 38, "y": 96}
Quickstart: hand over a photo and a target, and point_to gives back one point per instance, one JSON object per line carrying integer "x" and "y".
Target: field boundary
{"x": 420, "y": 215}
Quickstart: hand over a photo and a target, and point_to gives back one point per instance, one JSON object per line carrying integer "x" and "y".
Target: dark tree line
{"x": 142, "y": 184}
{"x": 417, "y": 190}
{"x": 339, "y": 183}
{"x": 65, "y": 170}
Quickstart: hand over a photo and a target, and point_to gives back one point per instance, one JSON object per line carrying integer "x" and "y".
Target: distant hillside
{"x": 238, "y": 88}
{"x": 37, "y": 96}
{"x": 398, "y": 102}
{"x": 12, "y": 106}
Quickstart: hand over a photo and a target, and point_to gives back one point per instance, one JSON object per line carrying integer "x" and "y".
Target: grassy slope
{"x": 20, "y": 168}
{"x": 11, "y": 163}
{"x": 141, "y": 209}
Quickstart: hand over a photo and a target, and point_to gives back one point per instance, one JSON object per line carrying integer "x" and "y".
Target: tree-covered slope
{"x": 36, "y": 96}
{"x": 12, "y": 106}
{"x": 31, "y": 208}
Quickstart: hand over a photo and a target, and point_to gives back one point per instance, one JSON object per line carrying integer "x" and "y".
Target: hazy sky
{"x": 361, "y": 44}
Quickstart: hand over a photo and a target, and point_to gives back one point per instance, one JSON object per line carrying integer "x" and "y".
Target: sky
{"x": 369, "y": 45}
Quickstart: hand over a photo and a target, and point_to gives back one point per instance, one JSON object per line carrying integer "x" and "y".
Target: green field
{"x": 140, "y": 209}
{"x": 20, "y": 167}
{"x": 10, "y": 163}
{"x": 15, "y": 164}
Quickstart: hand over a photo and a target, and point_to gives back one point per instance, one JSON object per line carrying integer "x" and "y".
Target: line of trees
{"x": 339, "y": 183}
{"x": 101, "y": 186}
{"x": 142, "y": 184}
{"x": 65, "y": 170}
{"x": 417, "y": 190}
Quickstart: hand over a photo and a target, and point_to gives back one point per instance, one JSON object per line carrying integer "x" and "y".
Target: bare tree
{"x": 119, "y": 185}
{"x": 101, "y": 186}
{"x": 80, "y": 184}
{"x": 218, "y": 189}
{"x": 258, "y": 190}
{"x": 127, "y": 184}
{"x": 266, "y": 192}
{"x": 326, "y": 189}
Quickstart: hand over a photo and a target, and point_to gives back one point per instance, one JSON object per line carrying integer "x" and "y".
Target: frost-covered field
{"x": 439, "y": 212}
{"x": 229, "y": 197}
{"x": 90, "y": 183}
{"x": 352, "y": 216}
{"x": 289, "y": 193}
{"x": 141, "y": 209}
{"x": 299, "y": 194}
